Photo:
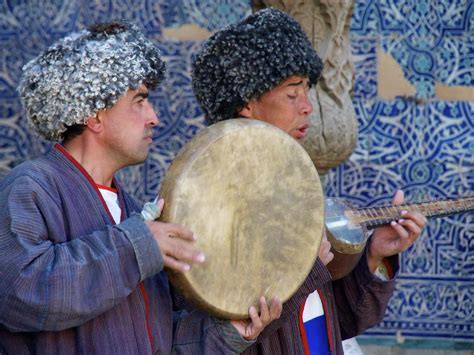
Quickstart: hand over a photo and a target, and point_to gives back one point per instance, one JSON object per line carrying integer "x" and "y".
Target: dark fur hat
{"x": 247, "y": 59}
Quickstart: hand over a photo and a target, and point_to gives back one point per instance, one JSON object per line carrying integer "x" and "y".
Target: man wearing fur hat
{"x": 262, "y": 68}
{"x": 81, "y": 267}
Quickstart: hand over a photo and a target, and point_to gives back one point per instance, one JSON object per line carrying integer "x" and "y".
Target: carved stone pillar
{"x": 333, "y": 133}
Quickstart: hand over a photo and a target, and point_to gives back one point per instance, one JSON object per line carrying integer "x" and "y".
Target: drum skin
{"x": 253, "y": 198}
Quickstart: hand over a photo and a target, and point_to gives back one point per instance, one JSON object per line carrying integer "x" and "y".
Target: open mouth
{"x": 302, "y": 131}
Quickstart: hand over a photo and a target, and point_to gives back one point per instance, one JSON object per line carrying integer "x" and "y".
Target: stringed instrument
{"x": 347, "y": 227}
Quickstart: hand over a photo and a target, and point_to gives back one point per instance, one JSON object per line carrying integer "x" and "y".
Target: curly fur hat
{"x": 247, "y": 59}
{"x": 85, "y": 72}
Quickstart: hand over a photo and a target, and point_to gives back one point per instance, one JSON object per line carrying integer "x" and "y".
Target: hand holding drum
{"x": 253, "y": 196}
{"x": 175, "y": 243}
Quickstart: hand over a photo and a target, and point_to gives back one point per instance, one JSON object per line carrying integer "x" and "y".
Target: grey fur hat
{"x": 85, "y": 72}
{"x": 249, "y": 58}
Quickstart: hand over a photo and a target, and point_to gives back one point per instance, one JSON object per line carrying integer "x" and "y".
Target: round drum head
{"x": 253, "y": 197}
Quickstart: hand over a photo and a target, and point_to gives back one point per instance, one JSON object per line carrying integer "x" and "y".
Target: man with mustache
{"x": 81, "y": 269}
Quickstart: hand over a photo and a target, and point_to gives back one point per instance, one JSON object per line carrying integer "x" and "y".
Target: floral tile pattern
{"x": 421, "y": 144}
{"x": 431, "y": 40}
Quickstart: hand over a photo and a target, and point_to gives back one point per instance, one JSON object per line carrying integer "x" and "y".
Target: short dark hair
{"x": 72, "y": 132}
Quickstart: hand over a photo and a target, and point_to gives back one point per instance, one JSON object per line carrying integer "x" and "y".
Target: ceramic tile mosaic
{"x": 431, "y": 40}
{"x": 364, "y": 58}
{"x": 423, "y": 145}
{"x": 211, "y": 15}
{"x": 420, "y": 143}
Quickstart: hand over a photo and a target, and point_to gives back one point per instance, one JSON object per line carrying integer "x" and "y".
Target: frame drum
{"x": 253, "y": 197}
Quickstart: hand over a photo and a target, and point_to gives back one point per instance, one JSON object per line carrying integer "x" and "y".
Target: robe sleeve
{"x": 198, "y": 333}
{"x": 48, "y": 286}
{"x": 362, "y": 298}
{"x": 195, "y": 332}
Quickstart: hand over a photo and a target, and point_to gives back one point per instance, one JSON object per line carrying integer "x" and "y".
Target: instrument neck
{"x": 379, "y": 216}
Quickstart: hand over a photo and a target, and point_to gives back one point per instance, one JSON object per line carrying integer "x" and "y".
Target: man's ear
{"x": 94, "y": 123}
{"x": 246, "y": 111}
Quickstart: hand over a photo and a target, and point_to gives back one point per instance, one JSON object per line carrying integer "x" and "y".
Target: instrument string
{"x": 382, "y": 215}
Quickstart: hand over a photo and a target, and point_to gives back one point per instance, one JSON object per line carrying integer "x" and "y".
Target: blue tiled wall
{"x": 423, "y": 145}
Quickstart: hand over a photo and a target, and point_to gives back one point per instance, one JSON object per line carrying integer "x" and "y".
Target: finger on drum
{"x": 177, "y": 230}
{"x": 175, "y": 264}
{"x": 183, "y": 251}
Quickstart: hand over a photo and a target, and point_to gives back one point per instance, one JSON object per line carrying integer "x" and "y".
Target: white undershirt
{"x": 111, "y": 199}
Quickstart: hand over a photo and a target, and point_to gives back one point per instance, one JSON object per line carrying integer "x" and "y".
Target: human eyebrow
{"x": 306, "y": 84}
{"x": 141, "y": 95}
{"x": 296, "y": 84}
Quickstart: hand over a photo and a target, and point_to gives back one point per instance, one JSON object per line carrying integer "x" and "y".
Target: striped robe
{"x": 72, "y": 282}
{"x": 352, "y": 304}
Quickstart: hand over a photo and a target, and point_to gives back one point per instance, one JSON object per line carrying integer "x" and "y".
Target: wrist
{"x": 373, "y": 261}
{"x": 231, "y": 335}
{"x": 385, "y": 270}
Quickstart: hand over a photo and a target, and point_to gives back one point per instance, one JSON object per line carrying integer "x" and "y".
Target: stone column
{"x": 333, "y": 133}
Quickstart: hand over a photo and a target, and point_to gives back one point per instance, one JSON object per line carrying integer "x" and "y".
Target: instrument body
{"x": 347, "y": 237}
{"x": 347, "y": 227}
{"x": 254, "y": 199}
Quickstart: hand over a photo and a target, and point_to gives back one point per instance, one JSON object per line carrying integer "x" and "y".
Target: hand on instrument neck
{"x": 396, "y": 237}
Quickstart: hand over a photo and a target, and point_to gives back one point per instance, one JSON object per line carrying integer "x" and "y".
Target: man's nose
{"x": 152, "y": 117}
{"x": 306, "y": 105}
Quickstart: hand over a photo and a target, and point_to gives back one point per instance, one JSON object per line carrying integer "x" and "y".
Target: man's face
{"x": 286, "y": 106}
{"x": 128, "y": 127}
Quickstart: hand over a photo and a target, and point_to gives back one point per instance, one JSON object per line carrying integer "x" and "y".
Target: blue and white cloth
{"x": 313, "y": 326}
